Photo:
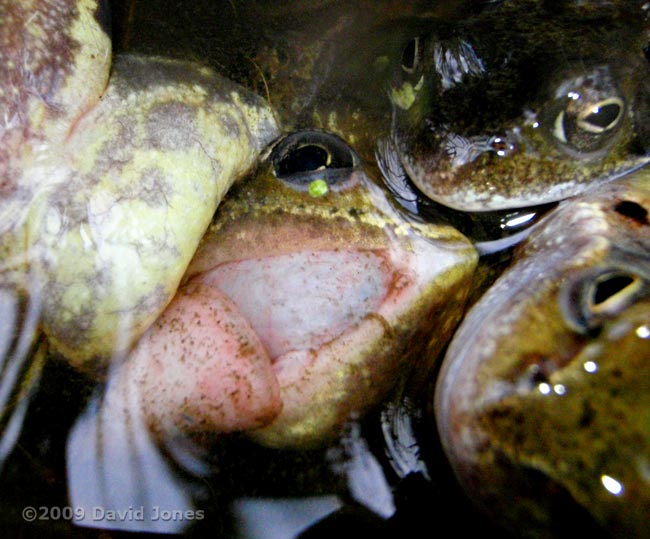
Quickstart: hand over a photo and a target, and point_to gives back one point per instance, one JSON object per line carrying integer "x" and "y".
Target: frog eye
{"x": 589, "y": 300}
{"x": 307, "y": 156}
{"x": 602, "y": 116}
{"x": 611, "y": 292}
{"x": 411, "y": 55}
{"x": 589, "y": 128}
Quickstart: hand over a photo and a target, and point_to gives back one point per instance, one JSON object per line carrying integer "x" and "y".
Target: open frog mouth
{"x": 337, "y": 288}
{"x": 329, "y": 321}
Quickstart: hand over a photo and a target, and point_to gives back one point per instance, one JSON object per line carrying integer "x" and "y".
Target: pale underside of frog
{"x": 542, "y": 402}
{"x": 111, "y": 172}
{"x": 524, "y": 104}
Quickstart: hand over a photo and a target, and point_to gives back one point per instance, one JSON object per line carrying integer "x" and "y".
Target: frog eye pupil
{"x": 601, "y": 118}
{"x": 303, "y": 159}
{"x": 410, "y": 55}
{"x": 610, "y": 287}
{"x": 304, "y": 156}
{"x": 591, "y": 128}
{"x": 587, "y": 302}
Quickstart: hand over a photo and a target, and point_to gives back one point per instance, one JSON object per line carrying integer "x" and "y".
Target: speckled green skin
{"x": 543, "y": 394}
{"x": 485, "y": 136}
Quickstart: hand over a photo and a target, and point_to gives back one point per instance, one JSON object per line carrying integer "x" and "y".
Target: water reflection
{"x": 280, "y": 518}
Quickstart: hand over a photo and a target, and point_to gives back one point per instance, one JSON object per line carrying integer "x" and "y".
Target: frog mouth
{"x": 298, "y": 302}
{"x": 336, "y": 324}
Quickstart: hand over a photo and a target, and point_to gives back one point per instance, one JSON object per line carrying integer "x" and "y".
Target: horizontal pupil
{"x": 610, "y": 287}
{"x": 605, "y": 117}
{"x": 408, "y": 56}
{"x": 303, "y": 159}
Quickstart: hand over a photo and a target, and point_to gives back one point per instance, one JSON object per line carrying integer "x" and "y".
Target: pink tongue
{"x": 300, "y": 301}
{"x": 201, "y": 368}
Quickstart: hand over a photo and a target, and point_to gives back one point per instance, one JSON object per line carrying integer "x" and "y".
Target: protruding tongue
{"x": 299, "y": 301}
{"x": 201, "y": 368}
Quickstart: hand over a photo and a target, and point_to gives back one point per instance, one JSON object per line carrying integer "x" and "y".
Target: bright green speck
{"x": 318, "y": 188}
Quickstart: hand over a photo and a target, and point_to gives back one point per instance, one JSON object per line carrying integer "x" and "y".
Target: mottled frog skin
{"x": 110, "y": 172}
{"x": 527, "y": 103}
{"x": 542, "y": 403}
{"x": 308, "y": 299}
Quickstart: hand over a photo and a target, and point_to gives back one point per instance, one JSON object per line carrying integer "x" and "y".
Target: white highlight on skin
{"x": 643, "y": 332}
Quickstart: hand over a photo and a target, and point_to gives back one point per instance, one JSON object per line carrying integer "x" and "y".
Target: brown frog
{"x": 526, "y": 103}
{"x": 542, "y": 403}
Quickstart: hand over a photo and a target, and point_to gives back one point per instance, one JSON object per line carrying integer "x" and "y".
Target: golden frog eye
{"x": 611, "y": 292}
{"x": 588, "y": 128}
{"x": 602, "y": 116}
{"x": 588, "y": 300}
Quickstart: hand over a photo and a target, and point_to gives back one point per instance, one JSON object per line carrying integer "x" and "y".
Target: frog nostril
{"x": 633, "y": 210}
{"x": 501, "y": 146}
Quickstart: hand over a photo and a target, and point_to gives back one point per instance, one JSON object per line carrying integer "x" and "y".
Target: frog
{"x": 541, "y": 403}
{"x": 334, "y": 283}
{"x": 521, "y": 104}
{"x": 112, "y": 167}
{"x": 309, "y": 300}
{"x": 326, "y": 65}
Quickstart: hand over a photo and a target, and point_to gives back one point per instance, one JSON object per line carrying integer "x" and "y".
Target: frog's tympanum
{"x": 527, "y": 103}
{"x": 543, "y": 402}
{"x": 307, "y": 300}
{"x": 109, "y": 175}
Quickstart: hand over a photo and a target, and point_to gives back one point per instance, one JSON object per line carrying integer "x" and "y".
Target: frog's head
{"x": 524, "y": 104}
{"x": 334, "y": 292}
{"x": 542, "y": 402}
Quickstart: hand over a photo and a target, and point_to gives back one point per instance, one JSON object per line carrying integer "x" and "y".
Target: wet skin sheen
{"x": 310, "y": 297}
{"x": 110, "y": 171}
{"x": 542, "y": 402}
{"x": 527, "y": 103}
